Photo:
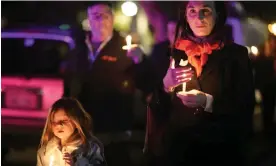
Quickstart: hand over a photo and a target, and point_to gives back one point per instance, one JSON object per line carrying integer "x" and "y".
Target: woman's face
{"x": 201, "y": 17}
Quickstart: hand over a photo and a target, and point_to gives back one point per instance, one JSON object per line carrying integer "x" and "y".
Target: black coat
{"x": 104, "y": 87}
{"x": 227, "y": 76}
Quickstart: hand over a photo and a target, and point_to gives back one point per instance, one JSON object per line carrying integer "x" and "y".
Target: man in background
{"x": 99, "y": 75}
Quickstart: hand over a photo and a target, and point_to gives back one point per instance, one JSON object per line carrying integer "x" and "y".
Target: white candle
{"x": 183, "y": 63}
{"x": 51, "y": 160}
{"x": 128, "y": 41}
{"x": 184, "y": 87}
{"x": 128, "y": 45}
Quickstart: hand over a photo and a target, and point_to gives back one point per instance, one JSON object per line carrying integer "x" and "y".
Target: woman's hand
{"x": 193, "y": 98}
{"x": 176, "y": 76}
{"x": 67, "y": 157}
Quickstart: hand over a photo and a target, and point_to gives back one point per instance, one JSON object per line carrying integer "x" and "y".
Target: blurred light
{"x": 67, "y": 39}
{"x": 4, "y": 22}
{"x": 248, "y": 49}
{"x": 81, "y": 16}
{"x": 254, "y": 26}
{"x": 237, "y": 6}
{"x": 85, "y": 25}
{"x": 122, "y": 22}
{"x": 129, "y": 8}
{"x": 125, "y": 83}
{"x": 142, "y": 23}
{"x": 254, "y": 50}
{"x": 47, "y": 36}
{"x": 258, "y": 96}
{"x": 64, "y": 27}
{"x": 29, "y": 42}
{"x": 272, "y": 28}
{"x": 144, "y": 32}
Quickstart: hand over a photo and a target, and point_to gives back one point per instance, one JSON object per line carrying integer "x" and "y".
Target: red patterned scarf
{"x": 197, "y": 52}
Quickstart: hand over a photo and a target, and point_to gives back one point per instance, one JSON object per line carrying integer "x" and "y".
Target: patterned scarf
{"x": 198, "y": 49}
{"x": 197, "y": 53}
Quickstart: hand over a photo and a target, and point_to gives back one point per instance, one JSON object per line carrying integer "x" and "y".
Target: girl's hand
{"x": 67, "y": 157}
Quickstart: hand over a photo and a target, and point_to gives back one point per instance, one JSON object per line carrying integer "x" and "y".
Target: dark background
{"x": 61, "y": 12}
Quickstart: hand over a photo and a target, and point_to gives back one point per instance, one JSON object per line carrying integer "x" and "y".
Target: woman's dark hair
{"x": 221, "y": 13}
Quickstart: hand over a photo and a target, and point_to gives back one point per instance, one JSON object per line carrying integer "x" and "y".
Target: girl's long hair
{"x": 78, "y": 116}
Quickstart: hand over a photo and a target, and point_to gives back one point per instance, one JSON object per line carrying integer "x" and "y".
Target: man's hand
{"x": 136, "y": 54}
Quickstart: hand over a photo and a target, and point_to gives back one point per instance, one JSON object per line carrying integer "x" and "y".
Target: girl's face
{"x": 62, "y": 126}
{"x": 201, "y": 17}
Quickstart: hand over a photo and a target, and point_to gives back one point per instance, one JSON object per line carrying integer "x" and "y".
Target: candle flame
{"x": 183, "y": 63}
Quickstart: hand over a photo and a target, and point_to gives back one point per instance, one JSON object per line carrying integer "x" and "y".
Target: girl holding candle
{"x": 207, "y": 124}
{"x": 67, "y": 139}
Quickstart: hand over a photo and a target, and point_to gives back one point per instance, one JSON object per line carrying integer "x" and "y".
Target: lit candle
{"x": 184, "y": 87}
{"x": 51, "y": 160}
{"x": 183, "y": 63}
{"x": 128, "y": 42}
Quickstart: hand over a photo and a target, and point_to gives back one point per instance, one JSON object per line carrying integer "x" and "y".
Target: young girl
{"x": 67, "y": 139}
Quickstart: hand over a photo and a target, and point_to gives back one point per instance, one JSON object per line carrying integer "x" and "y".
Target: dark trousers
{"x": 214, "y": 154}
{"x": 117, "y": 154}
{"x": 199, "y": 155}
{"x": 190, "y": 148}
{"x": 152, "y": 160}
{"x": 116, "y": 148}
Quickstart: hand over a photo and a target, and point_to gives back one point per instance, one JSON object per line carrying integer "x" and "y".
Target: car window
{"x": 32, "y": 57}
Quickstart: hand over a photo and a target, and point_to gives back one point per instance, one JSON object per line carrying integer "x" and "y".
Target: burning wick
{"x": 51, "y": 160}
{"x": 128, "y": 42}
